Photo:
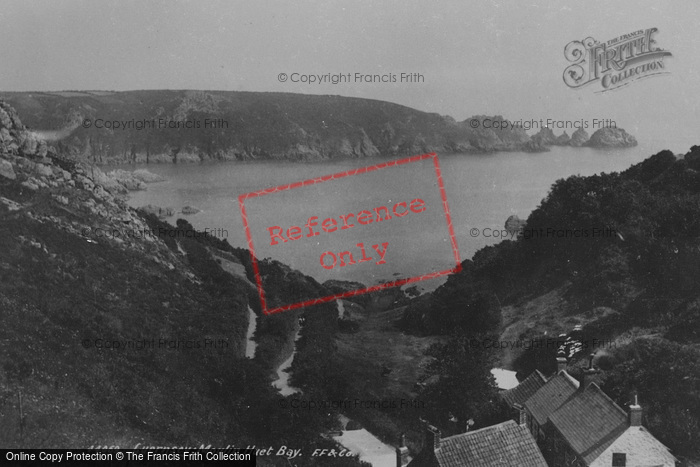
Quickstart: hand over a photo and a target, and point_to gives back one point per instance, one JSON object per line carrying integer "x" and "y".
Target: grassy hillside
{"x": 119, "y": 329}
{"x": 67, "y": 291}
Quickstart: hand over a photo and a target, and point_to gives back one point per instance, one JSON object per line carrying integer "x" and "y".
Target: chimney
{"x": 561, "y": 363}
{"x": 590, "y": 374}
{"x": 432, "y": 438}
{"x": 635, "y": 416}
{"x": 522, "y": 415}
{"x": 402, "y": 452}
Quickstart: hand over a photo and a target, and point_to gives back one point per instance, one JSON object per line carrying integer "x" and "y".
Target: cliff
{"x": 192, "y": 126}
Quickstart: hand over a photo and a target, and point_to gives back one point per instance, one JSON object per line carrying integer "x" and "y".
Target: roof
{"x": 503, "y": 445}
{"x": 524, "y": 390}
{"x": 590, "y": 422}
{"x": 551, "y": 396}
{"x": 505, "y": 379}
{"x": 640, "y": 447}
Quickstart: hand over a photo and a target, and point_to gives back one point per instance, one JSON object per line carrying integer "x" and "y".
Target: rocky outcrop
{"x": 147, "y": 177}
{"x": 6, "y": 170}
{"x": 487, "y": 133}
{"x": 157, "y": 211}
{"x": 545, "y": 137}
{"x": 611, "y": 138}
{"x": 514, "y": 225}
{"x": 579, "y": 138}
{"x": 338, "y": 286}
{"x": 187, "y": 210}
{"x": 10, "y": 205}
{"x": 127, "y": 180}
{"x": 562, "y": 140}
{"x": 30, "y": 171}
{"x": 535, "y": 146}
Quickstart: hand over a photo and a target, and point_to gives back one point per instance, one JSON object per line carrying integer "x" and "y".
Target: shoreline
{"x": 342, "y": 160}
{"x": 292, "y": 161}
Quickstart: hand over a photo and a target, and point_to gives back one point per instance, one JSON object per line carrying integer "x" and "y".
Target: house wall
{"x": 533, "y": 426}
{"x": 641, "y": 449}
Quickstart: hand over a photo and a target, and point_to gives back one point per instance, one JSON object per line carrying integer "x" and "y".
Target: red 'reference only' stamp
{"x": 345, "y": 222}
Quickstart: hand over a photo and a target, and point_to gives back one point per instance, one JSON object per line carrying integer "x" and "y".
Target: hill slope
{"x": 119, "y": 329}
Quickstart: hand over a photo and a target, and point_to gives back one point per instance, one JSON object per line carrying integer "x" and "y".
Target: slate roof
{"x": 526, "y": 389}
{"x": 551, "y": 396}
{"x": 505, "y": 444}
{"x": 641, "y": 449}
{"x": 589, "y": 422}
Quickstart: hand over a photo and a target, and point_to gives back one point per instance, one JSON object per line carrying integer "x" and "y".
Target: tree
{"x": 465, "y": 388}
{"x": 665, "y": 376}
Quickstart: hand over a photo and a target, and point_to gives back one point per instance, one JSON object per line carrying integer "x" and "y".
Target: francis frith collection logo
{"x": 615, "y": 63}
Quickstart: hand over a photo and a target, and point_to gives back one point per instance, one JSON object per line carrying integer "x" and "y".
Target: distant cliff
{"x": 193, "y": 126}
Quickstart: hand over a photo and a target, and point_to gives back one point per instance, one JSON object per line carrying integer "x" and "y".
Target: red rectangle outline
{"x": 256, "y": 270}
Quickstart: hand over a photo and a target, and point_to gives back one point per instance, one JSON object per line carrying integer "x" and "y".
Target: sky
{"x": 490, "y": 57}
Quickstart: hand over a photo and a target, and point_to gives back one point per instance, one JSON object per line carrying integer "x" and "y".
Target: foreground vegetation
{"x": 634, "y": 285}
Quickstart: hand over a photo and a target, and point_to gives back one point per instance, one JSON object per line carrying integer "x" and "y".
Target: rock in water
{"x": 562, "y": 140}
{"x": 579, "y": 138}
{"x": 611, "y": 138}
{"x": 190, "y": 210}
{"x": 535, "y": 145}
{"x": 545, "y": 137}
